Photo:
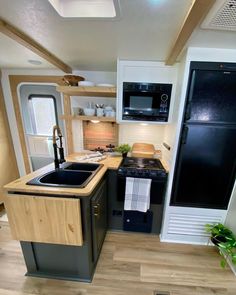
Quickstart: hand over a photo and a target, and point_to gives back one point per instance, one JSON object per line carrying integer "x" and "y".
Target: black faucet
{"x": 57, "y": 161}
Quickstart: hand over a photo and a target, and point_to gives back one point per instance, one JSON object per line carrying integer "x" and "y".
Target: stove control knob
{"x": 147, "y": 173}
{"x": 163, "y": 174}
{"x": 153, "y": 173}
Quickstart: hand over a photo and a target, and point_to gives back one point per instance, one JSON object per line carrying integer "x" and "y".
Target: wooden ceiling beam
{"x": 32, "y": 45}
{"x": 198, "y": 10}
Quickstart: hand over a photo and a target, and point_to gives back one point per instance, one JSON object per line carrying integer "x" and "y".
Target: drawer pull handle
{"x": 96, "y": 210}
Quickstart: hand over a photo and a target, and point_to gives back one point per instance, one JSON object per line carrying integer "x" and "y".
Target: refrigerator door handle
{"x": 184, "y": 135}
{"x": 188, "y": 111}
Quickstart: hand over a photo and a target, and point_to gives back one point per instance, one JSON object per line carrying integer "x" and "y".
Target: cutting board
{"x": 143, "y": 150}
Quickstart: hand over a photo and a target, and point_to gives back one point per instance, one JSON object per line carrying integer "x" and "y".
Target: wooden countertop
{"x": 20, "y": 185}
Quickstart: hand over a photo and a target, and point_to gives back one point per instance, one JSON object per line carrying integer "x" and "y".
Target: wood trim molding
{"x": 68, "y": 123}
{"x": 15, "y": 80}
{"x": 199, "y": 9}
{"x": 9, "y": 170}
{"x": 32, "y": 45}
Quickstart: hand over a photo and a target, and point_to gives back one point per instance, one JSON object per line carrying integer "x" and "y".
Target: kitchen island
{"x": 61, "y": 230}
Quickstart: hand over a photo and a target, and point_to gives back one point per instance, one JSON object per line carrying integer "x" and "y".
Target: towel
{"x": 90, "y": 158}
{"x": 137, "y": 194}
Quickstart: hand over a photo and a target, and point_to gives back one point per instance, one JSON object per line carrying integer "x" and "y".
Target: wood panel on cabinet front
{"x": 45, "y": 219}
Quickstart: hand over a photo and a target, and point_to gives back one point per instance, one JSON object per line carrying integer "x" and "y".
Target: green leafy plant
{"x": 225, "y": 240}
{"x": 123, "y": 148}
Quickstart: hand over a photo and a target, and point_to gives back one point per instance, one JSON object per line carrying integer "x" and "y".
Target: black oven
{"x": 146, "y": 101}
{"x": 157, "y": 189}
{"x": 151, "y": 220}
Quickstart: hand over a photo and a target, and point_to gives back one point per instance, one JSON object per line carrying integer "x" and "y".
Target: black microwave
{"x": 146, "y": 101}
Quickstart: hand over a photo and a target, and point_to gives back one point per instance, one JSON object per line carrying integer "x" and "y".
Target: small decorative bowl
{"x": 86, "y": 83}
{"x": 89, "y": 112}
{"x": 72, "y": 80}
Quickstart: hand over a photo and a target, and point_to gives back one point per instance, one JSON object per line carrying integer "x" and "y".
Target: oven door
{"x": 157, "y": 190}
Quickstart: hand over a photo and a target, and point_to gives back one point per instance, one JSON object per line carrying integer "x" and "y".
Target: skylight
{"x": 85, "y": 8}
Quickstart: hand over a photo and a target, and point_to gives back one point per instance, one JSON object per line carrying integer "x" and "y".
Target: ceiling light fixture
{"x": 95, "y": 121}
{"x": 86, "y": 8}
{"x": 34, "y": 62}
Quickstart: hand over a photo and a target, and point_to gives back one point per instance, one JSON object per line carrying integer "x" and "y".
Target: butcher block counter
{"x": 20, "y": 185}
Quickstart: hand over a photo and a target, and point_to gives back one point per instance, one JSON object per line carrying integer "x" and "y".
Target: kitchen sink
{"x": 81, "y": 166}
{"x": 74, "y": 175}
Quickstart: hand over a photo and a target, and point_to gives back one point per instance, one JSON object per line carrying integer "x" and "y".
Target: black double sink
{"x": 71, "y": 174}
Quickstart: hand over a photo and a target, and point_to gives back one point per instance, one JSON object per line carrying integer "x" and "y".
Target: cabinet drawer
{"x": 45, "y": 219}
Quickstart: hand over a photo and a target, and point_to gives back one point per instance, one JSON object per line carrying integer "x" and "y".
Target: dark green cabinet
{"x": 73, "y": 262}
{"x": 99, "y": 219}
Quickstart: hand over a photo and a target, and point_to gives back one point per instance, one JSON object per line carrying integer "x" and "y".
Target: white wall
{"x": 131, "y": 133}
{"x": 231, "y": 215}
{"x": 97, "y": 76}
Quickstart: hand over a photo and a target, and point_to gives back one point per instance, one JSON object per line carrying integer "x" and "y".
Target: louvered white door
{"x": 187, "y": 225}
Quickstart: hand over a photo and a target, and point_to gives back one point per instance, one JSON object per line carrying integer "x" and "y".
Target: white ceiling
{"x": 14, "y": 55}
{"x": 145, "y": 30}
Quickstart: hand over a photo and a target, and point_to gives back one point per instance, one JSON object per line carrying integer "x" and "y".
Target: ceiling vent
{"x": 222, "y": 16}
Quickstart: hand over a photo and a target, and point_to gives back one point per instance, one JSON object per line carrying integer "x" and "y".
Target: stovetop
{"x": 142, "y": 163}
{"x": 142, "y": 167}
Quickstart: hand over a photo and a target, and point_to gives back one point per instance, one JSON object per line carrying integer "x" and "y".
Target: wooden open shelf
{"x": 88, "y": 118}
{"x": 96, "y": 91}
{"x": 88, "y": 91}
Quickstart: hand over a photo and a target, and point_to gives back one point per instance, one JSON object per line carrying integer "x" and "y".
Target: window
{"x": 43, "y": 114}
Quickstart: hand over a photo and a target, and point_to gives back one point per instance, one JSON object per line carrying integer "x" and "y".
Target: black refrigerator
{"x": 206, "y": 160}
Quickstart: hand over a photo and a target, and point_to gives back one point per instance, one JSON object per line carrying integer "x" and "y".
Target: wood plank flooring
{"x": 132, "y": 264}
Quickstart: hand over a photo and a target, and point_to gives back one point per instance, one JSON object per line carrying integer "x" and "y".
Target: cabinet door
{"x": 45, "y": 219}
{"x": 99, "y": 219}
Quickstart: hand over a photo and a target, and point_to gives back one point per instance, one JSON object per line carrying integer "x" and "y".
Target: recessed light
{"x": 95, "y": 121}
{"x": 34, "y": 62}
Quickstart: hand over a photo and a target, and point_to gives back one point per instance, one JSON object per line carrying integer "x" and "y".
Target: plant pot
{"x": 216, "y": 240}
{"x": 124, "y": 155}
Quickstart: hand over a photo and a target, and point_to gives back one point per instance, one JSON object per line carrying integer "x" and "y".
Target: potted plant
{"x": 123, "y": 149}
{"x": 224, "y": 239}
